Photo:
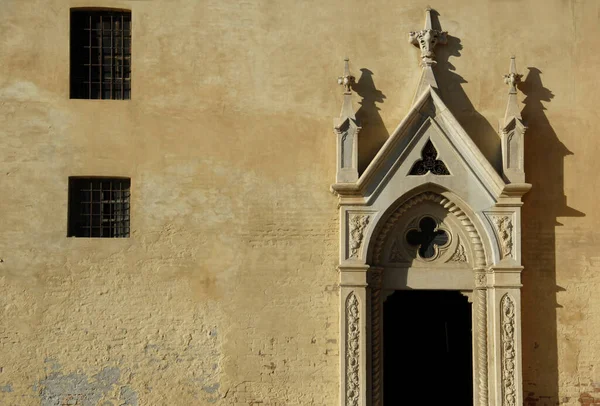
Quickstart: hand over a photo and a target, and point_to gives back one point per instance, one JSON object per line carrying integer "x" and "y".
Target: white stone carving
{"x": 346, "y": 129}
{"x": 512, "y": 130}
{"x": 459, "y": 255}
{"x": 480, "y": 280}
{"x": 347, "y": 80}
{"x": 513, "y": 78}
{"x": 396, "y": 251}
{"x": 427, "y": 39}
{"x": 446, "y": 204}
{"x": 358, "y": 224}
{"x": 385, "y": 200}
{"x": 352, "y": 350}
{"x": 504, "y": 227}
{"x": 507, "y": 322}
{"x": 482, "y": 338}
{"x": 376, "y": 336}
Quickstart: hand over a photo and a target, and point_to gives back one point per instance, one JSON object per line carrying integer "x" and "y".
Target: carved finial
{"x": 427, "y": 39}
{"x": 347, "y": 128}
{"x": 347, "y": 80}
{"x": 428, "y": 24}
{"x": 512, "y": 80}
{"x": 512, "y": 131}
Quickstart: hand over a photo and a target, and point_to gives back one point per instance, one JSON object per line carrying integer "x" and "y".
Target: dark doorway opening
{"x": 427, "y": 348}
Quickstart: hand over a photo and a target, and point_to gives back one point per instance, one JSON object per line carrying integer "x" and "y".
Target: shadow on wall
{"x": 373, "y": 134}
{"x": 544, "y": 167}
{"x": 450, "y": 86}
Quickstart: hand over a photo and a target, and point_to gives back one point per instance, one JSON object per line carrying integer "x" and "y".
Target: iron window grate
{"x": 100, "y": 54}
{"x": 99, "y": 207}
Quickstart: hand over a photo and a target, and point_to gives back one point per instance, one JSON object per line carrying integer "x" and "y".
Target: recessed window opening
{"x": 100, "y": 54}
{"x": 99, "y": 207}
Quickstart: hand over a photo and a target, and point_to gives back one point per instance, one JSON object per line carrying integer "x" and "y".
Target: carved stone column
{"x": 481, "y": 317}
{"x": 353, "y": 335}
{"x": 376, "y": 337}
{"x": 505, "y": 312}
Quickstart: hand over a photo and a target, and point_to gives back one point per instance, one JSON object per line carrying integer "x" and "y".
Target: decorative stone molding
{"x": 482, "y": 352}
{"x": 480, "y": 280}
{"x": 429, "y": 162}
{"x": 397, "y": 251}
{"x": 451, "y": 207}
{"x": 513, "y": 78}
{"x": 427, "y": 39}
{"x": 376, "y": 337}
{"x": 358, "y": 224}
{"x": 459, "y": 255}
{"x": 346, "y": 80}
{"x": 402, "y": 251}
{"x": 512, "y": 130}
{"x": 507, "y": 323}
{"x": 346, "y": 129}
{"x": 504, "y": 228}
{"x": 352, "y": 350}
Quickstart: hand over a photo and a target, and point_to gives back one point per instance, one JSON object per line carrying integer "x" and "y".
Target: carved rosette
{"x": 352, "y": 350}
{"x": 504, "y": 228}
{"x": 480, "y": 280}
{"x": 358, "y": 225}
{"x": 507, "y": 322}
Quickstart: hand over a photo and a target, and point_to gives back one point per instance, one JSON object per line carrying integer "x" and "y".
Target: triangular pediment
{"x": 430, "y": 121}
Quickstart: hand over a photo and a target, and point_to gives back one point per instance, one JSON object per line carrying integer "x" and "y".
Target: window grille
{"x": 100, "y": 54}
{"x": 99, "y": 207}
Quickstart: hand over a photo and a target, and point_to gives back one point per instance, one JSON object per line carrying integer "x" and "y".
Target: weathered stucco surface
{"x": 226, "y": 291}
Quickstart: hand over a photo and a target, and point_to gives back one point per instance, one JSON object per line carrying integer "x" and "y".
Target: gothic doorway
{"x": 427, "y": 348}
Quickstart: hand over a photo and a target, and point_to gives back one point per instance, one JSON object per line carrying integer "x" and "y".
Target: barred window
{"x": 99, "y": 207}
{"x": 100, "y": 54}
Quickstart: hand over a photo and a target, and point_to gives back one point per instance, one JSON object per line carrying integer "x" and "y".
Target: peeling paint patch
{"x": 6, "y": 388}
{"x": 78, "y": 389}
{"x": 211, "y": 388}
{"x": 128, "y": 396}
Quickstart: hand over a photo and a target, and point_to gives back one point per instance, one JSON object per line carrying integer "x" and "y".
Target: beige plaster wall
{"x": 226, "y": 291}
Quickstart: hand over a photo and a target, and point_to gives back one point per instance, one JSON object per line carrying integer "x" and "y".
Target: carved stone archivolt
{"x": 507, "y": 322}
{"x": 352, "y": 350}
{"x": 358, "y": 224}
{"x": 399, "y": 253}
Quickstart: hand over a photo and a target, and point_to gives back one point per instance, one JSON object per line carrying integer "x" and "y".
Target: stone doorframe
{"x": 429, "y": 162}
{"x": 495, "y": 297}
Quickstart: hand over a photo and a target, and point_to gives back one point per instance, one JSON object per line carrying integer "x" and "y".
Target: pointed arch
{"x": 478, "y": 235}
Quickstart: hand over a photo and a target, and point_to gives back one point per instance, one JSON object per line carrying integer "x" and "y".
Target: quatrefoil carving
{"x": 428, "y": 238}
